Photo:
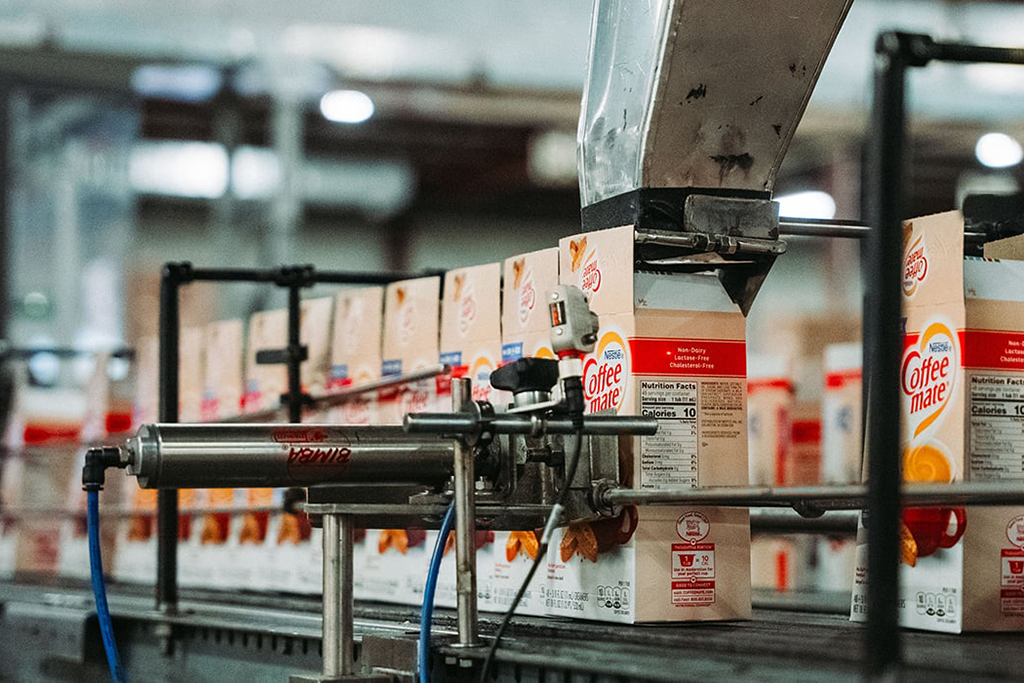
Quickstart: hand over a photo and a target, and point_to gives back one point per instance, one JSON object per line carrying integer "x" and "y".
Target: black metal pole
{"x": 174, "y": 274}
{"x": 882, "y": 347}
{"x": 294, "y": 353}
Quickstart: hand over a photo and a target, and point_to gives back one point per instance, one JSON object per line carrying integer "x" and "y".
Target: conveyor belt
{"x": 261, "y": 637}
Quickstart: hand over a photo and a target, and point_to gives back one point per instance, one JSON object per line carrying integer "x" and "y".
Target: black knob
{"x": 526, "y": 374}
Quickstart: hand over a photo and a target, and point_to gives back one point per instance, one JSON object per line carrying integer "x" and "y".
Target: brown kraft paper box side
{"x": 356, "y": 351}
{"x": 672, "y": 347}
{"x": 962, "y": 383}
{"x": 525, "y": 332}
{"x": 411, "y": 342}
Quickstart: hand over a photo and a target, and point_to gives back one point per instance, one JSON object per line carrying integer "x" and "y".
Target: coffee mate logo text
{"x": 527, "y": 298}
{"x": 605, "y": 374}
{"x": 480, "y": 372}
{"x": 927, "y": 375}
{"x": 467, "y": 311}
{"x": 406, "y": 323}
{"x": 915, "y": 266}
{"x": 585, "y": 263}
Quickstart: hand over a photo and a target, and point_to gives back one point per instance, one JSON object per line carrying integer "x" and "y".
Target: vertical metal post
{"x": 882, "y": 349}
{"x": 465, "y": 526}
{"x": 338, "y": 629}
{"x": 167, "y": 499}
{"x": 294, "y": 360}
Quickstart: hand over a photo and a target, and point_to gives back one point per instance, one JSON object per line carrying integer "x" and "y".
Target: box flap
{"x": 528, "y": 277}
{"x": 601, "y": 264}
{"x": 1008, "y": 248}
{"x": 471, "y": 310}
{"x": 356, "y": 337}
{"x": 411, "y": 322}
{"x": 993, "y": 280}
{"x": 681, "y": 292}
{"x": 933, "y": 252}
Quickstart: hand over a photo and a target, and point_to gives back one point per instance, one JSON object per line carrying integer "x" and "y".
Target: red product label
{"x": 807, "y": 431}
{"x": 689, "y": 357}
{"x": 994, "y": 350}
{"x": 781, "y": 384}
{"x": 838, "y": 380}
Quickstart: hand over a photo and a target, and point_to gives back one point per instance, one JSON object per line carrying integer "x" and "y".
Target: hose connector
{"x": 97, "y": 460}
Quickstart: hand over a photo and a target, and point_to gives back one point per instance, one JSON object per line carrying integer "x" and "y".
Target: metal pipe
{"x": 882, "y": 350}
{"x": 293, "y": 353}
{"x": 276, "y": 455}
{"x": 333, "y": 617}
{"x": 779, "y": 521}
{"x": 465, "y": 423}
{"x": 465, "y": 525}
{"x": 273, "y": 274}
{"x": 819, "y": 498}
{"x": 167, "y": 500}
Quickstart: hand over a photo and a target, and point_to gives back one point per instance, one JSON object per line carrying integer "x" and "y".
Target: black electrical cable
{"x": 542, "y": 550}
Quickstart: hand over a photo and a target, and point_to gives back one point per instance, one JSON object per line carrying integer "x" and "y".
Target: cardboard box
{"x": 356, "y": 351}
{"x": 671, "y": 346}
{"x": 770, "y": 400}
{"x": 471, "y": 345}
{"x": 841, "y": 454}
{"x": 962, "y": 382}
{"x": 315, "y": 332}
{"x": 841, "y": 443}
{"x": 411, "y": 324}
{"x": 264, "y": 384}
{"x": 525, "y": 332}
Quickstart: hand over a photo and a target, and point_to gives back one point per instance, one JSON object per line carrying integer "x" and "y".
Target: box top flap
{"x": 471, "y": 310}
{"x": 933, "y": 256}
{"x": 358, "y": 325}
{"x": 993, "y": 280}
{"x": 411, "y": 322}
{"x": 528, "y": 277}
{"x": 1008, "y": 248}
{"x": 682, "y": 292}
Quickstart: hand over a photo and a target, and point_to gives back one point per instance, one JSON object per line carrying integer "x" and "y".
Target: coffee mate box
{"x": 471, "y": 328}
{"x": 770, "y": 399}
{"x": 962, "y": 383}
{"x": 525, "y": 332}
{"x": 672, "y": 347}
{"x": 411, "y": 342}
{"x": 210, "y": 563}
{"x": 356, "y": 351}
{"x": 841, "y": 454}
{"x": 776, "y": 562}
{"x": 471, "y": 345}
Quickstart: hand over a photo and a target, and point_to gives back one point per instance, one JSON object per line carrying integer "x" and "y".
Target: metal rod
{"x": 344, "y": 395}
{"x": 597, "y": 425}
{"x": 293, "y": 353}
{"x": 465, "y": 525}
{"x": 882, "y": 350}
{"x": 333, "y": 617}
{"x": 273, "y": 275}
{"x": 959, "y": 52}
{"x": 778, "y": 521}
{"x": 816, "y": 499}
{"x": 167, "y": 499}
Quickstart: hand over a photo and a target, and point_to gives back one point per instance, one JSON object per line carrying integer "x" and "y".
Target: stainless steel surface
{"x": 814, "y": 227}
{"x": 346, "y": 596}
{"x": 332, "y": 612}
{"x": 465, "y": 526}
{"x": 597, "y": 425}
{"x": 819, "y": 498}
{"x": 241, "y": 456}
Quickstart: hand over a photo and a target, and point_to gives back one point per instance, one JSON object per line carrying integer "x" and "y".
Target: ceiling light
{"x": 346, "y": 106}
{"x": 998, "y": 150}
{"x": 810, "y": 204}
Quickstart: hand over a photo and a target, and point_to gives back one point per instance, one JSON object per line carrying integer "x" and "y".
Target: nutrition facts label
{"x": 669, "y": 458}
{"x": 996, "y": 427}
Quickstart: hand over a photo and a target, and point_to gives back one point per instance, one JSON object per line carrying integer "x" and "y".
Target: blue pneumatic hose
{"x": 427, "y": 614}
{"x": 99, "y": 589}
